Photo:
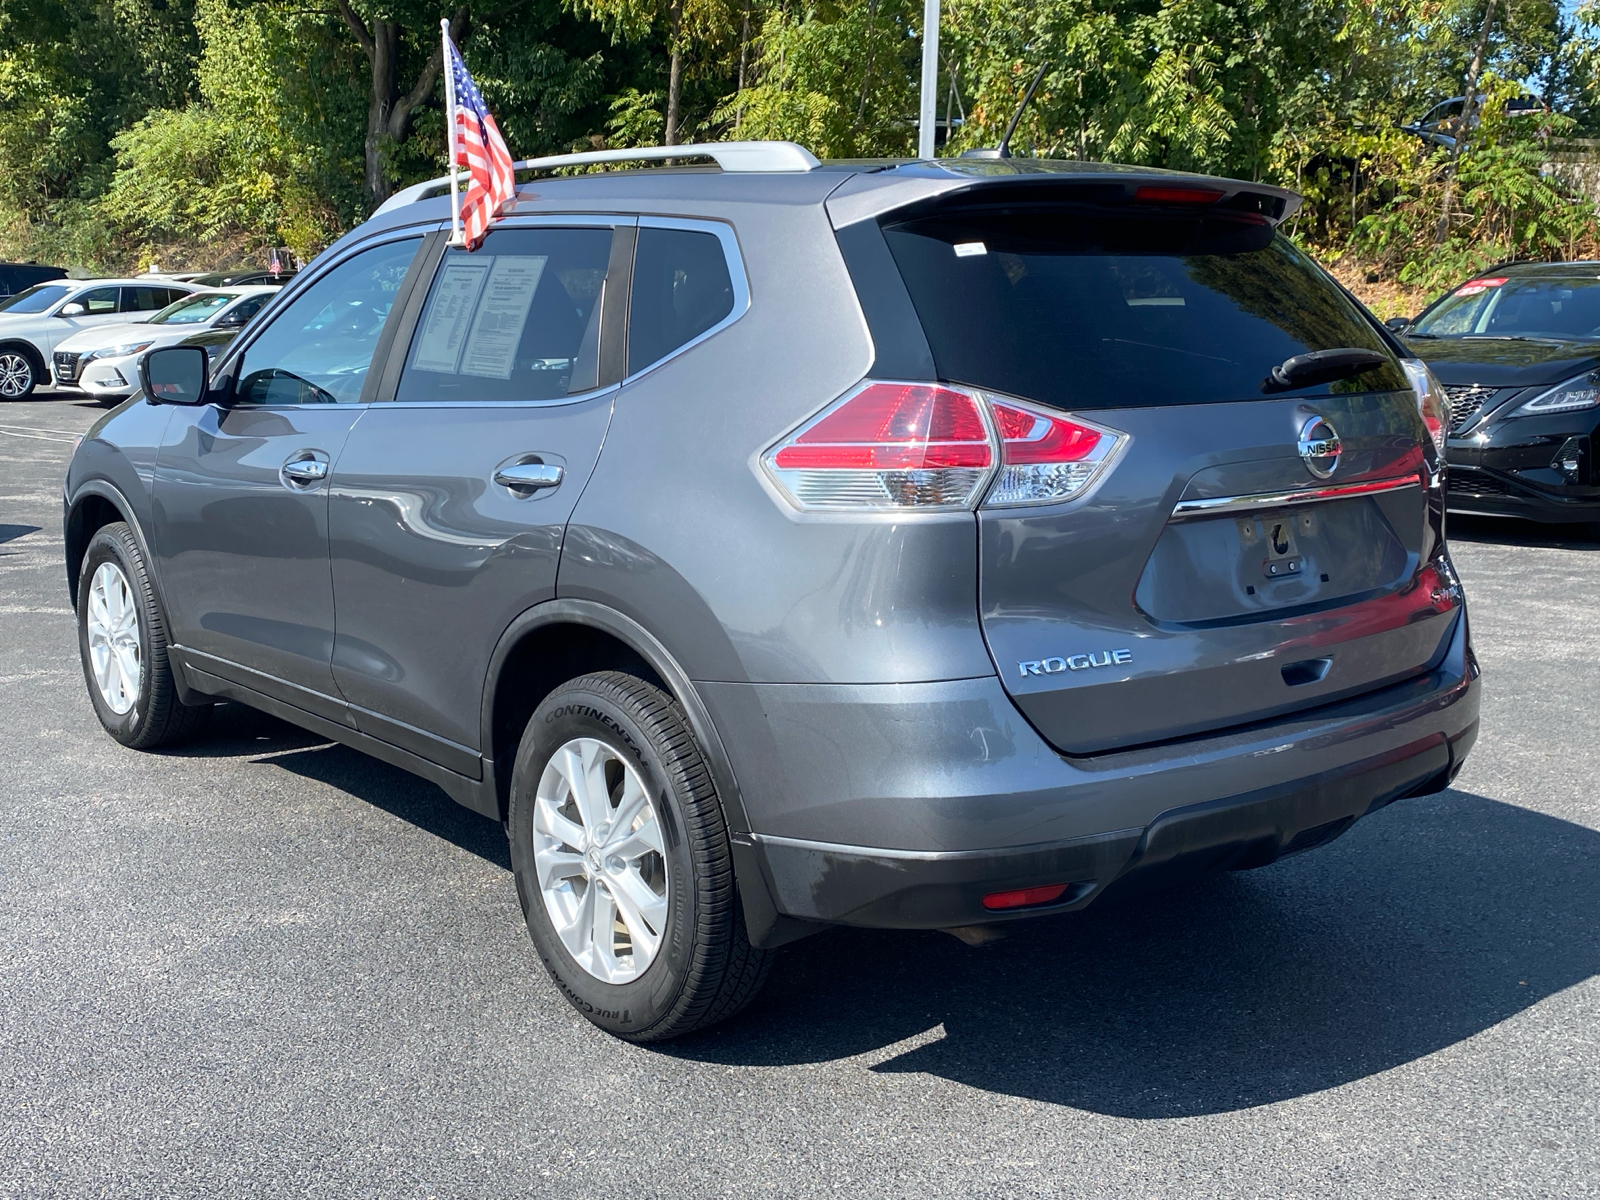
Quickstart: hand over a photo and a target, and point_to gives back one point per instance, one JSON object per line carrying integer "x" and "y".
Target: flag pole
{"x": 456, "y": 238}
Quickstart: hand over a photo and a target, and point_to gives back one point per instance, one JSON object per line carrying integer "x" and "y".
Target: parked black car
{"x": 19, "y": 277}
{"x": 1518, "y": 351}
{"x": 241, "y": 277}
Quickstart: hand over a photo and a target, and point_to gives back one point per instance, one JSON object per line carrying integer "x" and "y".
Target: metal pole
{"x": 930, "y": 77}
{"x": 456, "y": 238}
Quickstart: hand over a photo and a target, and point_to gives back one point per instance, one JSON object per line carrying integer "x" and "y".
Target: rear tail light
{"x": 1430, "y": 401}
{"x": 922, "y": 446}
{"x": 1045, "y": 457}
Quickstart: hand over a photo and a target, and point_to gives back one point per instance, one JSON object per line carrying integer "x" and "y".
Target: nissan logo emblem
{"x": 1319, "y": 447}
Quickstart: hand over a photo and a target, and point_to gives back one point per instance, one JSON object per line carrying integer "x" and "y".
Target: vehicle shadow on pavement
{"x": 1508, "y": 531}
{"x": 1430, "y": 922}
{"x": 241, "y": 732}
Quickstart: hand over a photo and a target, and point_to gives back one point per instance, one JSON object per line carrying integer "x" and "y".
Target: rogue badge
{"x": 1075, "y": 662}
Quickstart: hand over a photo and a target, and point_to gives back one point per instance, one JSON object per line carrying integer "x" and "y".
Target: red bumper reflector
{"x": 1024, "y": 897}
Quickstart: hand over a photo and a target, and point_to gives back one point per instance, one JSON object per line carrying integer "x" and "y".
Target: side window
{"x": 318, "y": 349}
{"x": 517, "y": 319}
{"x": 681, "y": 288}
{"x": 173, "y": 295}
{"x": 244, "y": 310}
{"x": 99, "y": 301}
{"x": 144, "y": 299}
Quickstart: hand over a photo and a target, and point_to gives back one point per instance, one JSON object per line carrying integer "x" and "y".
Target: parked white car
{"x": 33, "y": 323}
{"x": 103, "y": 362}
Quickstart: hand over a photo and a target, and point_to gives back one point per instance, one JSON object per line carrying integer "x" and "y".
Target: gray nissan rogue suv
{"x": 895, "y": 544}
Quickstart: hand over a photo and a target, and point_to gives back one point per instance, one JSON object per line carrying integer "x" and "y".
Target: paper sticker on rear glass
{"x": 491, "y": 348}
{"x": 445, "y": 330}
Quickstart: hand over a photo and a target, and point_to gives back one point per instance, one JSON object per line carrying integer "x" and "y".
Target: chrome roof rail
{"x": 743, "y": 157}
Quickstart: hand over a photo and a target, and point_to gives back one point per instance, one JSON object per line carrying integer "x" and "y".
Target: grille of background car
{"x": 1471, "y": 482}
{"x": 66, "y": 366}
{"x": 1465, "y": 401}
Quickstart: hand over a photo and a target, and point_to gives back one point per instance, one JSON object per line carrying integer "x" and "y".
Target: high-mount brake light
{"x": 1045, "y": 457}
{"x": 924, "y": 446}
{"x": 889, "y": 446}
{"x": 1155, "y": 194}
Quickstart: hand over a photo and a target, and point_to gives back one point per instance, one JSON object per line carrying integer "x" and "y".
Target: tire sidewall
{"x": 105, "y": 547}
{"x": 628, "y": 1009}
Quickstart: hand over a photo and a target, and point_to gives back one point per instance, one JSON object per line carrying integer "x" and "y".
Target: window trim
{"x": 725, "y": 234}
{"x": 222, "y": 375}
{"x": 405, "y": 331}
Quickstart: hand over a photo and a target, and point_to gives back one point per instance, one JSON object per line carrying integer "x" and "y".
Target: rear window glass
{"x": 1094, "y": 311}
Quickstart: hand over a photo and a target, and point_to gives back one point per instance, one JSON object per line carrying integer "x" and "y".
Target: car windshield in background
{"x": 193, "y": 310}
{"x": 1548, "y": 306}
{"x": 1085, "y": 310}
{"x": 35, "y": 300}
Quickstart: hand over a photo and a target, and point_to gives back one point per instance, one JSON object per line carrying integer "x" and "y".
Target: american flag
{"x": 479, "y": 147}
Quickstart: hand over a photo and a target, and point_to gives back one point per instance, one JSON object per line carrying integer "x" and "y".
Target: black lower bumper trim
{"x": 854, "y": 885}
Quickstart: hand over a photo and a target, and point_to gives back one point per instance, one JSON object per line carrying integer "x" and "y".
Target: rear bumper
{"x": 1118, "y": 821}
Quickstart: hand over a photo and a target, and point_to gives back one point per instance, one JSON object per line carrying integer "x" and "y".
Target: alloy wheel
{"x": 600, "y": 860}
{"x": 16, "y": 374}
{"x": 113, "y": 626}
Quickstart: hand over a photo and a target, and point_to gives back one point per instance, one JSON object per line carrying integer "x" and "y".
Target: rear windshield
{"x": 1085, "y": 310}
{"x": 1503, "y": 306}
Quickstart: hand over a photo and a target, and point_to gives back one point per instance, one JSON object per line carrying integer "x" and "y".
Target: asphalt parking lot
{"x": 262, "y": 965}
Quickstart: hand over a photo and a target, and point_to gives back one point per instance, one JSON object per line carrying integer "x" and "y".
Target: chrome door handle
{"x": 305, "y": 470}
{"x": 529, "y": 477}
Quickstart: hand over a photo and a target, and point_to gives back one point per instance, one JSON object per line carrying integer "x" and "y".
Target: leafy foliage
{"x": 209, "y": 129}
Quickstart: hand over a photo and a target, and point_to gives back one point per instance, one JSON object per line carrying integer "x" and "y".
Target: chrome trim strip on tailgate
{"x": 1189, "y": 509}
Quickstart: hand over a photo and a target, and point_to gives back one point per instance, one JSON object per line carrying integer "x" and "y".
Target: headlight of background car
{"x": 1574, "y": 394}
{"x": 121, "y": 351}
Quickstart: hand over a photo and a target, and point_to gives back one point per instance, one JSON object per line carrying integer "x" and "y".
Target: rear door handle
{"x": 528, "y": 478}
{"x": 304, "y": 470}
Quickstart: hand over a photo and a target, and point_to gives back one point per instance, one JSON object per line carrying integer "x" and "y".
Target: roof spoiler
{"x": 744, "y": 157}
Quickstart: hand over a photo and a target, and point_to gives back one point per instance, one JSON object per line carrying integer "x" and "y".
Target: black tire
{"x": 156, "y": 716}
{"x": 705, "y": 969}
{"x": 20, "y": 372}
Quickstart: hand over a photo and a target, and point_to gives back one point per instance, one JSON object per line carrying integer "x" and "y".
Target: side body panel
{"x": 432, "y": 559}
{"x": 678, "y": 528}
{"x": 243, "y": 552}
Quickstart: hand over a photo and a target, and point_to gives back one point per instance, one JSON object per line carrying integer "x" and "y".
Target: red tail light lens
{"x": 889, "y": 445}
{"x": 1046, "y": 457}
{"x": 926, "y": 446}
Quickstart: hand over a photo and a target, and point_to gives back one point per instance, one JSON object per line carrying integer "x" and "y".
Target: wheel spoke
{"x": 632, "y": 802}
{"x": 556, "y": 866}
{"x": 547, "y": 819}
{"x": 589, "y": 786}
{"x": 640, "y": 841}
{"x": 574, "y": 930}
{"x": 603, "y": 931}
{"x": 643, "y": 912}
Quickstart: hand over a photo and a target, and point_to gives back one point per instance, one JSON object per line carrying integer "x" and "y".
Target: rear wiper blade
{"x": 1321, "y": 366}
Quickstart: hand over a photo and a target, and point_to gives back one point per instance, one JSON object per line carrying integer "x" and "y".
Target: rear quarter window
{"x": 1085, "y": 311}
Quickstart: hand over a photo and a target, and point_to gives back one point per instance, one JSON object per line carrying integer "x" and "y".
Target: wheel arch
{"x": 95, "y": 504}
{"x": 562, "y": 639}
{"x": 578, "y": 636}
